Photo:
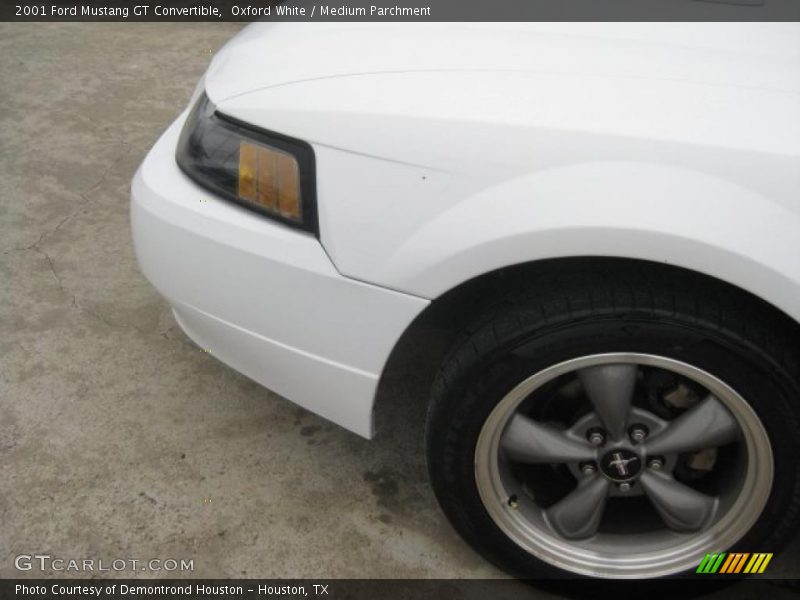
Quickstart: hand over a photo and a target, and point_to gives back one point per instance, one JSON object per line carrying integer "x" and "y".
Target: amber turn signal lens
{"x": 271, "y": 179}
{"x": 267, "y": 172}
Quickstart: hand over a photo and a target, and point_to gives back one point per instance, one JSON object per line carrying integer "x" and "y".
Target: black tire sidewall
{"x": 464, "y": 399}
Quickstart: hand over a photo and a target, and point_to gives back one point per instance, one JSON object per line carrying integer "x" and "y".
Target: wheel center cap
{"x": 621, "y": 464}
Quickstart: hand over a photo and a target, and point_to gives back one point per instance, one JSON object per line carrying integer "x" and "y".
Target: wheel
{"x": 619, "y": 424}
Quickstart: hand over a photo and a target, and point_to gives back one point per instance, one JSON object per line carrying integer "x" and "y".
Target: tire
{"x": 664, "y": 330}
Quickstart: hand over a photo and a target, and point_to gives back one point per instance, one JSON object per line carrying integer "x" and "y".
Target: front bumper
{"x": 262, "y": 298}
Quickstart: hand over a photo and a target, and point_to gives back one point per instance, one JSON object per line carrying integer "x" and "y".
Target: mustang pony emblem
{"x": 620, "y": 463}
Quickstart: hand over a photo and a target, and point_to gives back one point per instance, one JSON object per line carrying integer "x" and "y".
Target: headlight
{"x": 264, "y": 171}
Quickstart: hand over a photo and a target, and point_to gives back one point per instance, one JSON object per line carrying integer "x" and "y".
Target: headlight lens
{"x": 264, "y": 171}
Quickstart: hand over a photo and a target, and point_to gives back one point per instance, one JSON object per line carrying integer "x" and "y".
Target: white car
{"x": 604, "y": 217}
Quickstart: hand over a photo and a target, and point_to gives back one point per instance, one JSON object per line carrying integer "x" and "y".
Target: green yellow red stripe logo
{"x": 735, "y": 562}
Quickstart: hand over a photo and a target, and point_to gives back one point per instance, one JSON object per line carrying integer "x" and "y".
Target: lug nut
{"x": 638, "y": 433}
{"x": 596, "y": 437}
{"x": 624, "y": 487}
{"x": 512, "y": 502}
{"x": 655, "y": 463}
{"x": 588, "y": 469}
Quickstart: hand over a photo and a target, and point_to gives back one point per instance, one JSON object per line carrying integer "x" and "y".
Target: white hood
{"x": 765, "y": 56}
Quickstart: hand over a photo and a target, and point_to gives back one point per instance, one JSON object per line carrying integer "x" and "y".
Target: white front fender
{"x": 618, "y": 209}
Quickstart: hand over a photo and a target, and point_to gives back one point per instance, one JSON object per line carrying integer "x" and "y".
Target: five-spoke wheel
{"x": 617, "y": 420}
{"x": 646, "y": 472}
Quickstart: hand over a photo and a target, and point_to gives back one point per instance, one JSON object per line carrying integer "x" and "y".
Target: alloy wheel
{"x": 623, "y": 465}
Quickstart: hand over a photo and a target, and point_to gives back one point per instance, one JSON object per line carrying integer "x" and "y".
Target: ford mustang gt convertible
{"x": 605, "y": 218}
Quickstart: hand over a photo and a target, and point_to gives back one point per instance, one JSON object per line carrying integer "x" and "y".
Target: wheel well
{"x": 413, "y": 363}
